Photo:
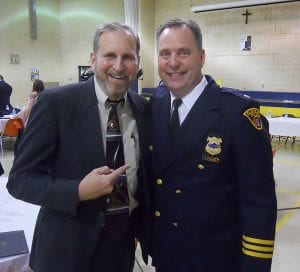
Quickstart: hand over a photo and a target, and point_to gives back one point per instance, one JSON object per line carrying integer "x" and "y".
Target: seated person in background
{"x": 5, "y": 93}
{"x": 37, "y": 88}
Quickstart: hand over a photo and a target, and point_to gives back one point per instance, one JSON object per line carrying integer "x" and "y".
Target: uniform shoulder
{"x": 234, "y": 96}
{"x": 235, "y": 93}
{"x": 236, "y": 102}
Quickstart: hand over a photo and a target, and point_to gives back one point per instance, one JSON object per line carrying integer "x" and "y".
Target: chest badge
{"x": 213, "y": 146}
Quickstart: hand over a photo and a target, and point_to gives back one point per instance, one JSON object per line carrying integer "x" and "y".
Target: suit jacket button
{"x": 159, "y": 182}
{"x": 150, "y": 147}
{"x": 157, "y": 213}
{"x": 175, "y": 224}
{"x": 200, "y": 166}
{"x": 178, "y": 191}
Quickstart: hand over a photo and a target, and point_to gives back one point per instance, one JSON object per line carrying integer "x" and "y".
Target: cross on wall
{"x": 246, "y": 14}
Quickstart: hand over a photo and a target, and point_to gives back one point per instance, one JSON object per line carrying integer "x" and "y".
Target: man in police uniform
{"x": 214, "y": 203}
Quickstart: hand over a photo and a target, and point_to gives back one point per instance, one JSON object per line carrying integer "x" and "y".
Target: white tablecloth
{"x": 284, "y": 126}
{"x": 3, "y": 122}
{"x": 16, "y": 215}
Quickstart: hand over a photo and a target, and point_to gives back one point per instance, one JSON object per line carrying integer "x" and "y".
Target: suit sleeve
{"x": 254, "y": 170}
{"x": 31, "y": 178}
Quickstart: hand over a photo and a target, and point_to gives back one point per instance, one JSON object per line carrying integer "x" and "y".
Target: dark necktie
{"x": 117, "y": 201}
{"x": 174, "y": 121}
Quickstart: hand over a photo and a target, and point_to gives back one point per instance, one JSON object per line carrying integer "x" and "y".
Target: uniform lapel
{"x": 196, "y": 125}
{"x": 160, "y": 120}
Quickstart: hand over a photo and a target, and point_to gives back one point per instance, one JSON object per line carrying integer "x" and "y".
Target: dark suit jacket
{"x": 5, "y": 93}
{"x": 61, "y": 144}
{"x": 214, "y": 203}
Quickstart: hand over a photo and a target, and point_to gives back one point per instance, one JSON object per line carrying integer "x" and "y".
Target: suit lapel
{"x": 85, "y": 119}
{"x": 138, "y": 107}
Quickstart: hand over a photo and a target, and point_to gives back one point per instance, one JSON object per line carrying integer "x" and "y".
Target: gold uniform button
{"x": 157, "y": 213}
{"x": 150, "y": 147}
{"x": 200, "y": 166}
{"x": 175, "y": 224}
{"x": 159, "y": 182}
{"x": 178, "y": 191}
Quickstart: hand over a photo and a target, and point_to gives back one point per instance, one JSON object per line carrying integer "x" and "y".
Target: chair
{"x": 12, "y": 128}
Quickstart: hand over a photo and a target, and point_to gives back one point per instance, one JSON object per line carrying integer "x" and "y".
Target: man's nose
{"x": 118, "y": 64}
{"x": 174, "y": 61}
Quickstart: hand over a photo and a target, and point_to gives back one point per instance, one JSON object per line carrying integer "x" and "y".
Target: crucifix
{"x": 246, "y": 14}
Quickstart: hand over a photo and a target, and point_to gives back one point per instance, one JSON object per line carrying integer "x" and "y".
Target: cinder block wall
{"x": 274, "y": 60}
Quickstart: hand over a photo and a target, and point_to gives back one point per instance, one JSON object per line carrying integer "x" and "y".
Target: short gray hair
{"x": 176, "y": 23}
{"x": 115, "y": 26}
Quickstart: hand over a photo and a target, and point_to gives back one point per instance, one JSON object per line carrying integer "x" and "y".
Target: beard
{"x": 113, "y": 91}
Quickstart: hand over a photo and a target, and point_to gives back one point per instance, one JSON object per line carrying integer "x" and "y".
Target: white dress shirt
{"x": 189, "y": 100}
{"x": 130, "y": 139}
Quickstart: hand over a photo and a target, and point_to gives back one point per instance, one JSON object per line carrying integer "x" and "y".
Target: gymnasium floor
{"x": 287, "y": 175}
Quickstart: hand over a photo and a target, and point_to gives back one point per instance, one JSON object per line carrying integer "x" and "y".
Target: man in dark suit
{"x": 5, "y": 93}
{"x": 60, "y": 164}
{"x": 214, "y": 203}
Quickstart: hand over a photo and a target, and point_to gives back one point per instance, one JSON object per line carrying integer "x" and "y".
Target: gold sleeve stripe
{"x": 258, "y": 248}
{"x": 258, "y": 241}
{"x": 257, "y": 254}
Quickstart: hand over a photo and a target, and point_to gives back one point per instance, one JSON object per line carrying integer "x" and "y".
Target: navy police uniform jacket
{"x": 213, "y": 192}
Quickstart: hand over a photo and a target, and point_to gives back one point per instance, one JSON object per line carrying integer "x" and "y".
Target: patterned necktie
{"x": 117, "y": 201}
{"x": 174, "y": 121}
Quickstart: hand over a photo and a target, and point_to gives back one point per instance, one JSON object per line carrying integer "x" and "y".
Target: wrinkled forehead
{"x": 118, "y": 38}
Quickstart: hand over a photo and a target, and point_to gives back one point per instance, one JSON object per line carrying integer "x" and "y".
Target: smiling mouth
{"x": 121, "y": 77}
{"x": 177, "y": 74}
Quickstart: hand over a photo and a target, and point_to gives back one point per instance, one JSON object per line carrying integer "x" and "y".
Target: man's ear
{"x": 202, "y": 57}
{"x": 92, "y": 60}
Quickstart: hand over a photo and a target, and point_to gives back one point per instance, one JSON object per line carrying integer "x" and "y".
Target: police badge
{"x": 213, "y": 146}
{"x": 212, "y": 149}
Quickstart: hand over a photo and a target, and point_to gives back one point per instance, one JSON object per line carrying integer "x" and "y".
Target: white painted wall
{"x": 273, "y": 64}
